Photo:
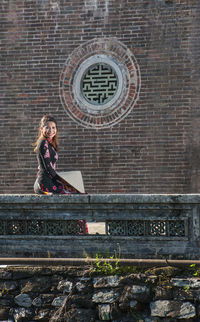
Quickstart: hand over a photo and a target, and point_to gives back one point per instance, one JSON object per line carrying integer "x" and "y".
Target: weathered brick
{"x": 162, "y": 129}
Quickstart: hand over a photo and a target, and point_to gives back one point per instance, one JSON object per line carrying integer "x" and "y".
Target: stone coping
{"x": 102, "y": 198}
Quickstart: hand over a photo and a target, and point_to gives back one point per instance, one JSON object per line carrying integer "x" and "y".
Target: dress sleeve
{"x": 46, "y": 158}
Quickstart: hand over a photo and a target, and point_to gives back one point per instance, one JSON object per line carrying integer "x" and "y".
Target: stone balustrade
{"x": 135, "y": 225}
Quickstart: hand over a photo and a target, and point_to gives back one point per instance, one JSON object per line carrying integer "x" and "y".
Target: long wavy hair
{"x": 45, "y": 119}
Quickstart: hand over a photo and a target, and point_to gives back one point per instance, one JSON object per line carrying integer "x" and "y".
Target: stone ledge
{"x": 102, "y": 198}
{"x": 141, "y": 225}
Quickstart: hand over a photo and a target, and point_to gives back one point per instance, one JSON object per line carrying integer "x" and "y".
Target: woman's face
{"x": 50, "y": 130}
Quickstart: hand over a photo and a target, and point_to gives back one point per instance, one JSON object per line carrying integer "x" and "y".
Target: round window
{"x": 100, "y": 83}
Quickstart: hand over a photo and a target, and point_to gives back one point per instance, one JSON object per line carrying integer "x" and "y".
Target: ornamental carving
{"x": 100, "y": 83}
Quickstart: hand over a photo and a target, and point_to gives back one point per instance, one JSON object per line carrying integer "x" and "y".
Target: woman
{"x": 46, "y": 148}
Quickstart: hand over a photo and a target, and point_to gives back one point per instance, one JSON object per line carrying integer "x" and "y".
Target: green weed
{"x": 102, "y": 266}
{"x": 195, "y": 270}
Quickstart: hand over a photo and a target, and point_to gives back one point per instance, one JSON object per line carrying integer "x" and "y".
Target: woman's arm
{"x": 46, "y": 159}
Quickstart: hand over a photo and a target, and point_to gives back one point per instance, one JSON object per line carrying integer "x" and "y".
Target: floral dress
{"x": 47, "y": 178}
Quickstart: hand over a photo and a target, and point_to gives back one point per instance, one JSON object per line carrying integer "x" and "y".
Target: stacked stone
{"x": 60, "y": 294}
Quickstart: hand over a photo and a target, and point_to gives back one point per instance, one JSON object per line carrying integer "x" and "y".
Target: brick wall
{"x": 155, "y": 149}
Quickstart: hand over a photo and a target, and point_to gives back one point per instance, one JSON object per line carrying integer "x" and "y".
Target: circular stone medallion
{"x": 100, "y": 83}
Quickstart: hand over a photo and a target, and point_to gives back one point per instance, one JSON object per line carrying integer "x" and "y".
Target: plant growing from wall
{"x": 195, "y": 270}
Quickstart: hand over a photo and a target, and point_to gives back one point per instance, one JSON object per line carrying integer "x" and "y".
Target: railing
{"x": 136, "y": 226}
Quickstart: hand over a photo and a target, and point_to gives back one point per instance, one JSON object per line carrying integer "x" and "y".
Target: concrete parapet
{"x": 136, "y": 225}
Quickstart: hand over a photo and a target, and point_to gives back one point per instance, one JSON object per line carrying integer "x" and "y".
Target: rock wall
{"x": 77, "y": 294}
